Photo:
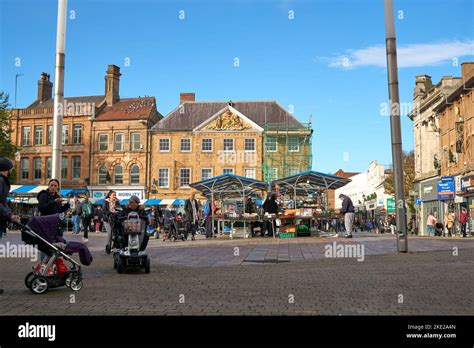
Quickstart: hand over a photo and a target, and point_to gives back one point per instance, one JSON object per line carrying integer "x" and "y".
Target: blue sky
{"x": 328, "y": 61}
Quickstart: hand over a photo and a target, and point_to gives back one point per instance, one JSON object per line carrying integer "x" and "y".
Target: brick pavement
{"x": 215, "y": 282}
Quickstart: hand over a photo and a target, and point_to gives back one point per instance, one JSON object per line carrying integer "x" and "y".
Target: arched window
{"x": 118, "y": 175}
{"x": 102, "y": 175}
{"x": 134, "y": 174}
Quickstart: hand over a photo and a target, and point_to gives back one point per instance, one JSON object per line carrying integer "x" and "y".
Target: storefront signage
{"x": 446, "y": 188}
{"x": 467, "y": 184}
{"x": 428, "y": 191}
{"x": 121, "y": 194}
{"x": 391, "y": 205}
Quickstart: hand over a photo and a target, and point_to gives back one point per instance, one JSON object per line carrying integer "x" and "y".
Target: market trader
{"x": 348, "y": 211}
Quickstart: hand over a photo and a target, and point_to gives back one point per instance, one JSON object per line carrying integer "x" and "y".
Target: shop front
{"x": 429, "y": 203}
{"x": 467, "y": 195}
{"x": 99, "y": 193}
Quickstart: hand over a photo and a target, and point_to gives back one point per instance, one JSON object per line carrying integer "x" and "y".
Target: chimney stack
{"x": 467, "y": 69}
{"x": 45, "y": 88}
{"x": 112, "y": 80}
{"x": 186, "y": 97}
{"x": 423, "y": 86}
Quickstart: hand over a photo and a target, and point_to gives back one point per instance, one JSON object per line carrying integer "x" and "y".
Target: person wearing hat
{"x": 6, "y": 214}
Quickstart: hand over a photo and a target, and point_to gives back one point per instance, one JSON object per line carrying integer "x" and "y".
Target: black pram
{"x": 51, "y": 272}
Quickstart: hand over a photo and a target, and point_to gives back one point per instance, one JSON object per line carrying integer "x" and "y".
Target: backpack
{"x": 87, "y": 210}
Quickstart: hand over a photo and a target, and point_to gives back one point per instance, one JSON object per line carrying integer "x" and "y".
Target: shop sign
{"x": 446, "y": 188}
{"x": 121, "y": 194}
{"x": 391, "y": 205}
{"x": 428, "y": 191}
{"x": 467, "y": 184}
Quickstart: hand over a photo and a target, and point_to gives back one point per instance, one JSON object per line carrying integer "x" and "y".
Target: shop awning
{"x": 229, "y": 185}
{"x": 309, "y": 182}
{"x": 32, "y": 190}
{"x": 99, "y": 202}
{"x": 179, "y": 202}
{"x": 167, "y": 201}
{"x": 153, "y": 201}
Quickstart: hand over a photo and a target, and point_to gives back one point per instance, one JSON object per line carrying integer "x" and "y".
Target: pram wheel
{"x": 76, "y": 284}
{"x": 119, "y": 267}
{"x": 147, "y": 266}
{"x": 108, "y": 249}
{"x": 39, "y": 285}
{"x": 28, "y": 279}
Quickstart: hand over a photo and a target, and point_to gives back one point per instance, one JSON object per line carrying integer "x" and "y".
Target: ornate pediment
{"x": 227, "y": 121}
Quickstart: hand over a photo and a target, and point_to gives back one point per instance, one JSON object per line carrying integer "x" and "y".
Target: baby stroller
{"x": 129, "y": 238}
{"x": 439, "y": 229}
{"x": 52, "y": 272}
{"x": 177, "y": 229}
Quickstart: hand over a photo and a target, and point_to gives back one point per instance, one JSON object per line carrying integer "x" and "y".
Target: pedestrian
{"x": 97, "y": 219}
{"x": 50, "y": 202}
{"x": 250, "y": 208}
{"x": 109, "y": 216}
{"x": 270, "y": 206}
{"x": 6, "y": 215}
{"x": 430, "y": 223}
{"x": 133, "y": 206}
{"x": 191, "y": 218}
{"x": 463, "y": 221}
{"x": 348, "y": 211}
{"x": 75, "y": 215}
{"x": 87, "y": 213}
{"x": 449, "y": 222}
{"x": 393, "y": 224}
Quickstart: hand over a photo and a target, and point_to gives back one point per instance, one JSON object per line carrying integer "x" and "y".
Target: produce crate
{"x": 288, "y": 229}
{"x": 287, "y": 235}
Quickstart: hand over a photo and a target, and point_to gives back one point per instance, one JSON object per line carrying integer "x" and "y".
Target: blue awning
{"x": 124, "y": 201}
{"x": 66, "y": 192}
{"x": 153, "y": 201}
{"x": 179, "y": 202}
{"x": 100, "y": 201}
{"x": 23, "y": 189}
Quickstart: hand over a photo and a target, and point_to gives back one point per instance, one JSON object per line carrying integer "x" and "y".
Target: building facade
{"x": 199, "y": 140}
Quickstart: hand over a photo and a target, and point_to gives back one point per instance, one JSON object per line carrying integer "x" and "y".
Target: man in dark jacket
{"x": 6, "y": 214}
{"x": 191, "y": 209}
{"x": 270, "y": 206}
{"x": 348, "y": 211}
{"x": 133, "y": 206}
{"x": 251, "y": 209}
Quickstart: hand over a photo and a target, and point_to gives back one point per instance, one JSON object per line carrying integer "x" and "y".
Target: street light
{"x": 16, "y": 83}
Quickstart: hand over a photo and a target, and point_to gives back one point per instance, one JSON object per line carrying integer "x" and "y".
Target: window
{"x": 102, "y": 175}
{"x": 118, "y": 175}
{"x": 135, "y": 141}
{"x": 250, "y": 173}
{"x": 25, "y": 136}
{"x": 163, "y": 177}
{"x": 65, "y": 134}
{"x": 37, "y": 168}
{"x": 271, "y": 144}
{"x": 293, "y": 145}
{"x": 228, "y": 171}
{"x": 118, "y": 142}
{"x": 103, "y": 142}
{"x": 76, "y": 167}
{"x": 206, "y": 173}
{"x": 49, "y": 167}
{"x": 206, "y": 145}
{"x": 25, "y": 168}
{"x": 184, "y": 177}
{"x": 250, "y": 145}
{"x": 38, "y": 135}
{"x": 49, "y": 139}
{"x": 134, "y": 174}
{"x": 272, "y": 174}
{"x": 64, "y": 168}
{"x": 228, "y": 144}
{"x": 77, "y": 134}
{"x": 164, "y": 145}
{"x": 185, "y": 145}
{"x": 293, "y": 171}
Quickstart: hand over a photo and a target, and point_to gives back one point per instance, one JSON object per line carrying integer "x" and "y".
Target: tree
{"x": 408, "y": 178}
{"x": 7, "y": 148}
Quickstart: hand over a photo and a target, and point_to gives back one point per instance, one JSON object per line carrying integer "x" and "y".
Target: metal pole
{"x": 395, "y": 127}
{"x": 59, "y": 89}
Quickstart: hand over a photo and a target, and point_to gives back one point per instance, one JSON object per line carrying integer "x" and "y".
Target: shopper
{"x": 270, "y": 206}
{"x": 50, "y": 202}
{"x": 449, "y": 222}
{"x": 6, "y": 215}
{"x": 86, "y": 213}
{"x": 191, "y": 209}
{"x": 393, "y": 224}
{"x": 348, "y": 211}
{"x": 463, "y": 221}
{"x": 75, "y": 215}
{"x": 250, "y": 208}
{"x": 430, "y": 223}
{"x": 109, "y": 215}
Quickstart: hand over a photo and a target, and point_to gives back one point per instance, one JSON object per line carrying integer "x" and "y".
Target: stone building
{"x": 199, "y": 140}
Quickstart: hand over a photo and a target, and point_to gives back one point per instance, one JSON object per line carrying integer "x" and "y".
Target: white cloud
{"x": 414, "y": 55}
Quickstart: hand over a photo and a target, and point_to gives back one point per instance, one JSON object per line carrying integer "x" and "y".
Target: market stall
{"x": 305, "y": 199}
{"x": 230, "y": 191}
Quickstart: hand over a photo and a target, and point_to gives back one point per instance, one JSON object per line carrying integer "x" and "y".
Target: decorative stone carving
{"x": 227, "y": 121}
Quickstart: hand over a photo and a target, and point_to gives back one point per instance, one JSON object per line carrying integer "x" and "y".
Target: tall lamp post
{"x": 16, "y": 84}
{"x": 395, "y": 127}
{"x": 59, "y": 89}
